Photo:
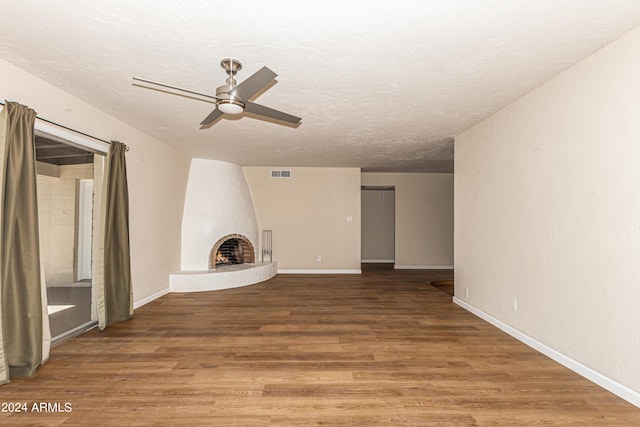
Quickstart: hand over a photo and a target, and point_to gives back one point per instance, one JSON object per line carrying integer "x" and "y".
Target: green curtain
{"x": 25, "y": 338}
{"x": 115, "y": 299}
{"x": 97, "y": 240}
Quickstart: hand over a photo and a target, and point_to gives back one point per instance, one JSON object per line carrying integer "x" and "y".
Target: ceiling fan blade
{"x": 212, "y": 117}
{"x": 176, "y": 88}
{"x": 253, "y": 84}
{"x": 261, "y": 110}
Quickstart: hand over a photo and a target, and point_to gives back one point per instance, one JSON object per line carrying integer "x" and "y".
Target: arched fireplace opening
{"x": 231, "y": 249}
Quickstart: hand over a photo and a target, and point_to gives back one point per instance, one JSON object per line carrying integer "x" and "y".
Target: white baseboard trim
{"x": 147, "y": 300}
{"x": 377, "y": 261}
{"x": 422, "y": 267}
{"x": 603, "y": 381}
{"x": 287, "y": 271}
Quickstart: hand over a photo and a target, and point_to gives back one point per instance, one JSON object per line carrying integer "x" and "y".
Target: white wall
{"x": 547, "y": 201}
{"x": 217, "y": 204}
{"x": 424, "y": 217}
{"x": 157, "y": 176}
{"x": 308, "y": 216}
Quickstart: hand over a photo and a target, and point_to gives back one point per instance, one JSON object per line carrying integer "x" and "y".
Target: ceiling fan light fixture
{"x": 230, "y": 107}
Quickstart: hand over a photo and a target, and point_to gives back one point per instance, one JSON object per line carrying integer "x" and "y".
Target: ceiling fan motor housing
{"x": 228, "y": 103}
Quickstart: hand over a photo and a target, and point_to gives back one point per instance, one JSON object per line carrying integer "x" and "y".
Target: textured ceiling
{"x": 380, "y": 85}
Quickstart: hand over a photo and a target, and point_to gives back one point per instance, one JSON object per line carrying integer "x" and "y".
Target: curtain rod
{"x": 72, "y": 130}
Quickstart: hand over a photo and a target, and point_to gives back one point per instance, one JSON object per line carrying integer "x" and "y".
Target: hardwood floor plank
{"x": 383, "y": 348}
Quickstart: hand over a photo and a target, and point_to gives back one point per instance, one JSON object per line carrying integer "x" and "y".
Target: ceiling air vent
{"x": 281, "y": 174}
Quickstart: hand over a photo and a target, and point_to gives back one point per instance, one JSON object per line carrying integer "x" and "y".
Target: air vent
{"x": 281, "y": 174}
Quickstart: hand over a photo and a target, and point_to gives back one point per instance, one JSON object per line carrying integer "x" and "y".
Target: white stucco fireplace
{"x": 218, "y": 208}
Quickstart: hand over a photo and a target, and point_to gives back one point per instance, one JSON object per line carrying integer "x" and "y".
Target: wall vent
{"x": 280, "y": 174}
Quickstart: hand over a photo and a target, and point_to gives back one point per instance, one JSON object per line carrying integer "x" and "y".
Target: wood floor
{"x": 381, "y": 349}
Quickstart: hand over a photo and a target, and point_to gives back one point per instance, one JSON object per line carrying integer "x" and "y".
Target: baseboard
{"x": 287, "y": 271}
{"x": 147, "y": 300}
{"x": 422, "y": 267}
{"x": 377, "y": 261}
{"x": 603, "y": 381}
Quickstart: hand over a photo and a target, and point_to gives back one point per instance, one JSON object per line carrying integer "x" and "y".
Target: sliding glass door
{"x": 65, "y": 203}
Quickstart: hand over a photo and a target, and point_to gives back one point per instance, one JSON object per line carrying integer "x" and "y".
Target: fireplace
{"x": 231, "y": 249}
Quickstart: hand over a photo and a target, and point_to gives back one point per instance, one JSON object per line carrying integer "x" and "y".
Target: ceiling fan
{"x": 234, "y": 99}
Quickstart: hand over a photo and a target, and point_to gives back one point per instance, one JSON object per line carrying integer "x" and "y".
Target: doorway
{"x": 378, "y": 224}
{"x": 65, "y": 174}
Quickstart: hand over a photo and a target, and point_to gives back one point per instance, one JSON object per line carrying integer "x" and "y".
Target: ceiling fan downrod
{"x": 231, "y": 67}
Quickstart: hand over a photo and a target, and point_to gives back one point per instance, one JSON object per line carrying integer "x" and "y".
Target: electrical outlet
{"x": 466, "y": 292}
{"x": 514, "y": 304}
{"x": 319, "y": 258}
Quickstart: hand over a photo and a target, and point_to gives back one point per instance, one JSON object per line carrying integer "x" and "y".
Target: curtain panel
{"x": 25, "y": 336}
{"x": 113, "y": 268}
